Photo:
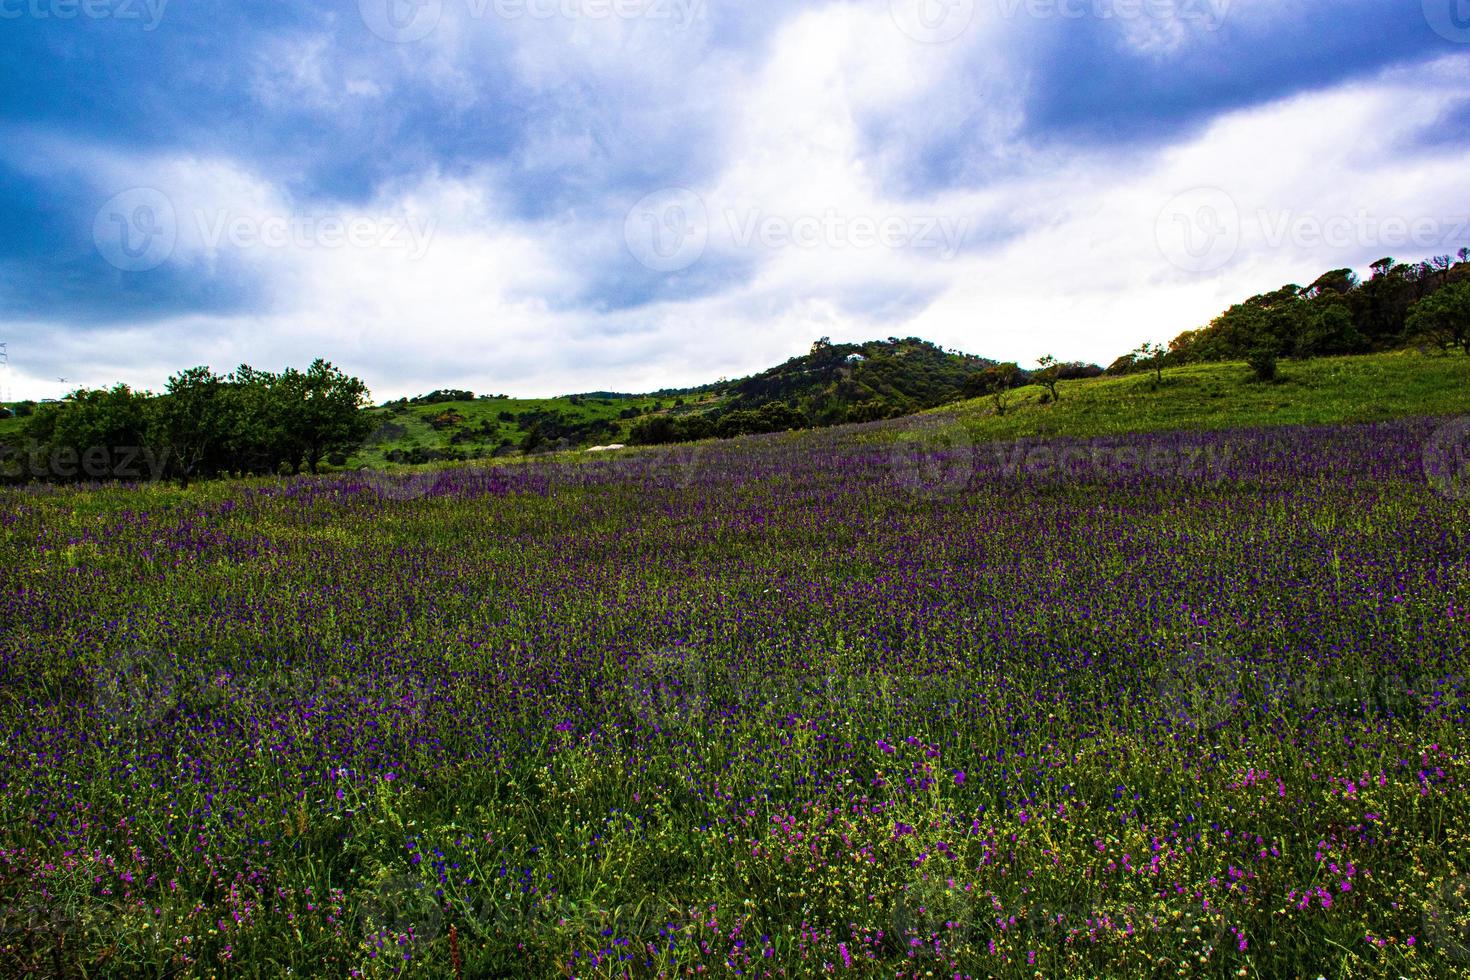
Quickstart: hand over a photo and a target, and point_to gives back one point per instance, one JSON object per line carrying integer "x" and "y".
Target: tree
{"x": 1262, "y": 361}
{"x": 323, "y": 408}
{"x": 1330, "y": 330}
{"x": 1151, "y": 355}
{"x": 1442, "y": 264}
{"x": 996, "y": 381}
{"x": 1049, "y": 375}
{"x": 193, "y": 423}
{"x": 97, "y": 434}
{"x": 1444, "y": 317}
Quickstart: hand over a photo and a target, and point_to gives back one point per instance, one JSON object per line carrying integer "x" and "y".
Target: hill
{"x": 860, "y": 382}
{"x": 831, "y": 384}
{"x": 1321, "y": 391}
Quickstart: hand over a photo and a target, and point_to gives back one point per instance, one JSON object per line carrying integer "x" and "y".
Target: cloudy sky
{"x": 545, "y": 196}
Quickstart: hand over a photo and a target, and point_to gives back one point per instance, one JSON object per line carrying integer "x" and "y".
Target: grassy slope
{"x": 418, "y": 433}
{"x": 1209, "y": 396}
{"x": 1216, "y": 396}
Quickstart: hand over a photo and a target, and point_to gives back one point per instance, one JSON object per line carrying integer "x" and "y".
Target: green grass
{"x": 418, "y": 433}
{"x": 11, "y": 426}
{"x": 1220, "y": 396}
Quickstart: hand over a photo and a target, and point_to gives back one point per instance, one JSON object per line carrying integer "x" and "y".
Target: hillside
{"x": 880, "y": 380}
{"x": 1329, "y": 390}
{"x": 1362, "y": 388}
{"x": 831, "y": 384}
{"x": 485, "y": 427}
{"x": 860, "y": 382}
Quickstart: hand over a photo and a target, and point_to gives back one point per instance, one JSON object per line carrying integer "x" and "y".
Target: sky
{"x": 538, "y": 197}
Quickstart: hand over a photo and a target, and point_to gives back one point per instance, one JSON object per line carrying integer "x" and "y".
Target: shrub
{"x": 1262, "y": 362}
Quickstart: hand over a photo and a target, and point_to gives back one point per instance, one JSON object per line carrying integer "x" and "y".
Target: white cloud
{"x": 1061, "y": 258}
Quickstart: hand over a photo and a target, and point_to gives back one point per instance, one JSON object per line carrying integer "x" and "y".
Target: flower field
{"x": 872, "y": 702}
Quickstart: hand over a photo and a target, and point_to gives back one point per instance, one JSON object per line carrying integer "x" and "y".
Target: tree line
{"x": 203, "y": 425}
{"x": 1400, "y": 305}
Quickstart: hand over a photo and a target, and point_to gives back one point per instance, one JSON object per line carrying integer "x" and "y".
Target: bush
{"x": 1262, "y": 361}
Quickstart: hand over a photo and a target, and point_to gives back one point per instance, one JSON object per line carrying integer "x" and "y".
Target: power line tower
{"x": 5, "y": 392}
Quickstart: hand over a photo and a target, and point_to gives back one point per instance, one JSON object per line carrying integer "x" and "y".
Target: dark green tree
{"x": 1444, "y": 318}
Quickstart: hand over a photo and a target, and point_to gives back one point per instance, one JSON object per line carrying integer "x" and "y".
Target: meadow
{"x": 886, "y": 700}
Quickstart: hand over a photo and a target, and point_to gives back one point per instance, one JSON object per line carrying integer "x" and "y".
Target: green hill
{"x": 833, "y": 383}
{"x": 420, "y": 433}
{"x": 860, "y": 382}
{"x": 1225, "y": 395}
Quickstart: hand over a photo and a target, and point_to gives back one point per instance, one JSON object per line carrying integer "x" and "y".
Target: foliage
{"x": 203, "y": 425}
{"x": 1444, "y": 318}
{"x": 1262, "y": 361}
{"x": 1337, "y": 314}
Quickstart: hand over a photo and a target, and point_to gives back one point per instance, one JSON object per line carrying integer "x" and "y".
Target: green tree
{"x": 94, "y": 434}
{"x": 996, "y": 382}
{"x": 1049, "y": 376}
{"x": 1443, "y": 318}
{"x": 192, "y": 420}
{"x": 323, "y": 413}
{"x": 1151, "y": 355}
